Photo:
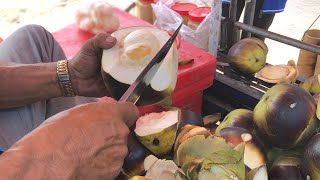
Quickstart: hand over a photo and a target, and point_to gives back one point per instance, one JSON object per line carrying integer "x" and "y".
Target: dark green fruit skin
{"x": 189, "y": 117}
{"x": 286, "y": 167}
{"x": 311, "y": 158}
{"x": 285, "y": 172}
{"x": 117, "y": 89}
{"x": 238, "y": 61}
{"x": 284, "y": 125}
{"x": 243, "y": 120}
{"x": 133, "y": 163}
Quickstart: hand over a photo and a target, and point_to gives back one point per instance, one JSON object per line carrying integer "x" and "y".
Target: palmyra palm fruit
{"x": 286, "y": 167}
{"x": 135, "y": 48}
{"x": 133, "y": 163}
{"x": 285, "y": 115}
{"x": 248, "y": 55}
{"x": 312, "y": 84}
{"x": 311, "y": 158}
{"x": 237, "y": 118}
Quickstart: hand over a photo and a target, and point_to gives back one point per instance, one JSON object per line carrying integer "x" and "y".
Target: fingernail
{"x": 110, "y": 39}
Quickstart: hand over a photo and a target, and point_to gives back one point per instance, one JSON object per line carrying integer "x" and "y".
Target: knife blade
{"x": 135, "y": 90}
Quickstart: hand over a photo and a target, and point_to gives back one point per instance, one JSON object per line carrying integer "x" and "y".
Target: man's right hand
{"x": 86, "y": 142}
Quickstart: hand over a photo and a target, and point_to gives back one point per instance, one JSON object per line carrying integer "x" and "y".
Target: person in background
{"x": 52, "y": 126}
{"x": 264, "y": 14}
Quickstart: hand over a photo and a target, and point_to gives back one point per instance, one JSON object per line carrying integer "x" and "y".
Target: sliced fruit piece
{"x": 193, "y": 132}
{"x": 212, "y": 121}
{"x": 168, "y": 167}
{"x": 157, "y": 131}
{"x": 278, "y": 74}
{"x": 139, "y": 178}
{"x": 185, "y": 129}
{"x": 135, "y": 48}
{"x": 149, "y": 162}
{"x": 254, "y": 156}
{"x": 259, "y": 173}
{"x": 168, "y": 175}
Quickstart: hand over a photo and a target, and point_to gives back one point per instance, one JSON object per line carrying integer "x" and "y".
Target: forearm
{"x": 17, "y": 164}
{"x": 27, "y": 83}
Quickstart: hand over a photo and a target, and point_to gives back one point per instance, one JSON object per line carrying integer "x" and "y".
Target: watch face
{"x": 64, "y": 78}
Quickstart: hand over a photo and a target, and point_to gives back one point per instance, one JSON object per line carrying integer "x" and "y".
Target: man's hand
{"x": 85, "y": 67}
{"x": 85, "y": 142}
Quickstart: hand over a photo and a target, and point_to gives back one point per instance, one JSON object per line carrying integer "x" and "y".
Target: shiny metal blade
{"x": 134, "y": 92}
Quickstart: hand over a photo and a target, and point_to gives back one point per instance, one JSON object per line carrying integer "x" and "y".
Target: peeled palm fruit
{"x": 285, "y": 115}
{"x": 237, "y": 118}
{"x": 135, "y": 48}
{"x": 97, "y": 17}
{"x": 248, "y": 55}
{"x": 157, "y": 131}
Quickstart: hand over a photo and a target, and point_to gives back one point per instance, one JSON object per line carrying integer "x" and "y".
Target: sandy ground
{"x": 293, "y": 22}
{"x": 55, "y": 14}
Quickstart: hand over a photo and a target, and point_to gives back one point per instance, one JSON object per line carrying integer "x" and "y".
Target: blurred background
{"x": 56, "y": 14}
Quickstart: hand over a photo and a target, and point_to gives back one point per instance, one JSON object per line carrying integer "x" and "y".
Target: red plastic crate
{"x": 192, "y": 78}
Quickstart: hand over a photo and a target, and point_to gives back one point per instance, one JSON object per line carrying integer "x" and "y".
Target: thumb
{"x": 129, "y": 112}
{"x": 100, "y": 41}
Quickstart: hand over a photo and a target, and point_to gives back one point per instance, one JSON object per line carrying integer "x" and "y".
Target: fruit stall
{"x": 216, "y": 116}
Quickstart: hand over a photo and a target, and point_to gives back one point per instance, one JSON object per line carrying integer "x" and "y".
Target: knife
{"x": 134, "y": 92}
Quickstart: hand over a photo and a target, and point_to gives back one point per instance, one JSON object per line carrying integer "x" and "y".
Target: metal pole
{"x": 233, "y": 17}
{"x": 248, "y": 16}
{"x": 278, "y": 37}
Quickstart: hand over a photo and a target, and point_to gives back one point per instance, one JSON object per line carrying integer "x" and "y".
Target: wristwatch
{"x": 64, "y": 78}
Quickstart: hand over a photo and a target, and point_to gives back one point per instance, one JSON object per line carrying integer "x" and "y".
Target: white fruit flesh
{"x": 261, "y": 174}
{"x": 155, "y": 122}
{"x": 149, "y": 161}
{"x": 135, "y": 48}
